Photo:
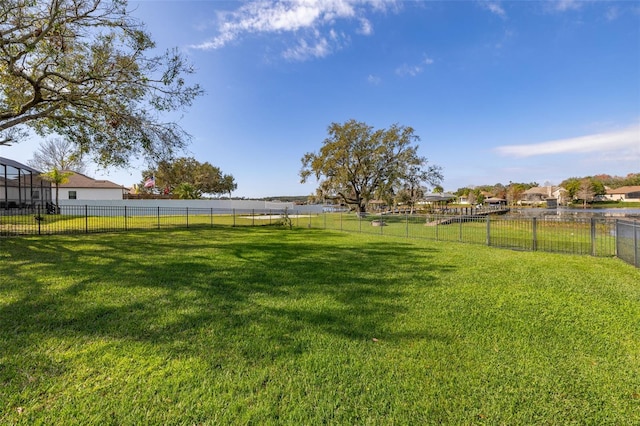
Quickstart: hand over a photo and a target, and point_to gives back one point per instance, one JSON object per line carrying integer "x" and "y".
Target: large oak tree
{"x": 186, "y": 175}
{"x": 357, "y": 162}
{"x": 83, "y": 69}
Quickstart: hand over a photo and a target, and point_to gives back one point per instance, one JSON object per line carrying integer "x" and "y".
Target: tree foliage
{"x": 82, "y": 69}
{"x": 357, "y": 162}
{"x": 631, "y": 179}
{"x": 57, "y": 153}
{"x": 585, "y": 192}
{"x": 514, "y": 192}
{"x": 201, "y": 178}
{"x": 57, "y": 177}
{"x": 228, "y": 185}
{"x": 476, "y": 196}
{"x": 585, "y": 188}
{"x": 187, "y": 191}
{"x": 411, "y": 189}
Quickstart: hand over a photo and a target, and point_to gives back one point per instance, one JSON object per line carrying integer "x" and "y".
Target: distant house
{"x": 494, "y": 202}
{"x": 549, "y": 195}
{"x": 81, "y": 187}
{"x": 444, "y": 196}
{"x": 21, "y": 186}
{"x": 467, "y": 199}
{"x": 437, "y": 198}
{"x": 625, "y": 193}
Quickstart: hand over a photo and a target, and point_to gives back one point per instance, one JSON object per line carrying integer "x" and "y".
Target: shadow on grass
{"x": 255, "y": 293}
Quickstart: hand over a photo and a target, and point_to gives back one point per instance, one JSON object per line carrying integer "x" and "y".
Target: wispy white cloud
{"x": 366, "y": 28}
{"x": 625, "y": 141}
{"x": 564, "y": 5}
{"x": 407, "y": 70}
{"x": 319, "y": 49}
{"x": 612, "y": 14}
{"x": 311, "y": 21}
{"x": 494, "y": 7}
{"x": 374, "y": 79}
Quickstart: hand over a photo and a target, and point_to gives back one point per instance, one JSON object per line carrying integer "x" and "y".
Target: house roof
{"x": 17, "y": 165}
{"x": 78, "y": 180}
{"x": 623, "y": 190}
{"x": 537, "y": 190}
{"x": 439, "y": 197}
{"x": 543, "y": 190}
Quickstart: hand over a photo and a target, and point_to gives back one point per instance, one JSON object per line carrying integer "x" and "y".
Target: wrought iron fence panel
{"x": 627, "y": 240}
{"x": 592, "y": 236}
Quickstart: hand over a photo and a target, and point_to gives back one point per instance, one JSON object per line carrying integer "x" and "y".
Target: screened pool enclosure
{"x": 21, "y": 187}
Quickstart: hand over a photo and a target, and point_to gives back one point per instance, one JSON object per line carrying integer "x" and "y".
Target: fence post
{"x": 460, "y": 228}
{"x": 158, "y": 216}
{"x": 211, "y": 217}
{"x": 324, "y": 218}
{"x": 381, "y": 223}
{"x": 125, "y": 218}
{"x": 187, "y": 211}
{"x": 253, "y": 217}
{"x": 341, "y": 221}
{"x": 534, "y": 230}
{"x": 593, "y": 236}
{"x": 617, "y": 241}
{"x": 86, "y": 219}
{"x": 406, "y": 223}
{"x": 488, "y": 230}
{"x": 233, "y": 212}
{"x": 39, "y": 219}
{"x": 635, "y": 226}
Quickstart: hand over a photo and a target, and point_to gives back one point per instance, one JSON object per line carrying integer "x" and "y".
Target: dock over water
{"x": 464, "y": 214}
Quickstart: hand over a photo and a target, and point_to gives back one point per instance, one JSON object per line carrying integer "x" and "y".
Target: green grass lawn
{"x": 271, "y": 326}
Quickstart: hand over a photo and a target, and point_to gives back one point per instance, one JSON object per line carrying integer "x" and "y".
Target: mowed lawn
{"x": 275, "y": 326}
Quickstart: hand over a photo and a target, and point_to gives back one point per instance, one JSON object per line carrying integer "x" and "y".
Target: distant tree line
{"x": 511, "y": 192}
{"x": 583, "y": 189}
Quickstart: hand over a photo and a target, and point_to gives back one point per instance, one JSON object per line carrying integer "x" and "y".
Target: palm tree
{"x": 187, "y": 191}
{"x": 57, "y": 177}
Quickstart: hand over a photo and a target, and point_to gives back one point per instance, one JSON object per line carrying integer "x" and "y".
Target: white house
{"x": 625, "y": 193}
{"x": 81, "y": 187}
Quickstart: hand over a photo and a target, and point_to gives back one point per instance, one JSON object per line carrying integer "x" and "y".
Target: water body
{"x": 563, "y": 212}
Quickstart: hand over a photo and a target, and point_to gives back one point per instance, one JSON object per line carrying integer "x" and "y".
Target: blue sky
{"x": 497, "y": 91}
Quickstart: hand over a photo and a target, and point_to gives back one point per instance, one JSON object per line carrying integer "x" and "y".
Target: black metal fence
{"x": 590, "y": 236}
{"x": 93, "y": 219}
{"x": 601, "y": 237}
{"x": 628, "y": 238}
